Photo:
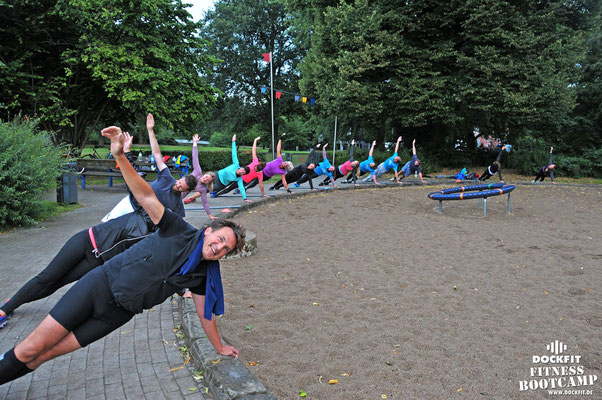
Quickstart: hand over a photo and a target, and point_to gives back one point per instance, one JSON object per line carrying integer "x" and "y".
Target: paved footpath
{"x": 140, "y": 360}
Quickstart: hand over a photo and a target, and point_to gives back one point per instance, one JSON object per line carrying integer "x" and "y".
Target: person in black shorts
{"x": 91, "y": 247}
{"x": 175, "y": 257}
{"x": 546, "y": 170}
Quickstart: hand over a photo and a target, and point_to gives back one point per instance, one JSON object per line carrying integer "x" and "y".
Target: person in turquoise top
{"x": 232, "y": 173}
{"x": 390, "y": 163}
{"x": 365, "y": 167}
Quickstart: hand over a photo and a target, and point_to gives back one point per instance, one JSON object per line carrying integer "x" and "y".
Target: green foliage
{"x": 29, "y": 165}
{"x": 79, "y": 64}
{"x": 220, "y": 139}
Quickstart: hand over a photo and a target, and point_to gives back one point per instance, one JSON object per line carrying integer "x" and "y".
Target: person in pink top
{"x": 275, "y": 167}
{"x": 345, "y": 168}
{"x": 204, "y": 181}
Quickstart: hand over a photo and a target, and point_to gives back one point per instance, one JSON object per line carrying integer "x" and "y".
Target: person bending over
{"x": 275, "y": 167}
{"x": 546, "y": 170}
{"x": 493, "y": 168}
{"x": 175, "y": 257}
{"x": 324, "y": 168}
{"x": 413, "y": 165}
{"x": 391, "y": 163}
{"x": 231, "y": 174}
{"x": 348, "y": 167}
{"x": 365, "y": 166}
{"x": 296, "y": 173}
{"x": 91, "y": 247}
{"x": 204, "y": 181}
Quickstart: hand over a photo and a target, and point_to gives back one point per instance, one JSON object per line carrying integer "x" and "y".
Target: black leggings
{"x": 72, "y": 262}
{"x": 89, "y": 310}
{"x": 253, "y": 183}
{"x": 337, "y": 175}
{"x": 306, "y": 177}
{"x": 540, "y": 176}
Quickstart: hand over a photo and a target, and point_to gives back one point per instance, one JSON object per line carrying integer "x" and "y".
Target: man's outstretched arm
{"x": 150, "y": 127}
{"x": 137, "y": 185}
{"x": 210, "y": 328}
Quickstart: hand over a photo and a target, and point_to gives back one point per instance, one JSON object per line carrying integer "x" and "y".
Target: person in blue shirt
{"x": 366, "y": 166}
{"x": 413, "y": 165}
{"x": 232, "y": 173}
{"x": 324, "y": 168}
{"x": 391, "y": 163}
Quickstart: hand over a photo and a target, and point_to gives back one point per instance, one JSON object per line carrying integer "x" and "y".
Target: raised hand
{"x": 150, "y": 122}
{"x": 234, "y": 138}
{"x": 128, "y": 140}
{"x": 114, "y": 134}
{"x": 195, "y": 138}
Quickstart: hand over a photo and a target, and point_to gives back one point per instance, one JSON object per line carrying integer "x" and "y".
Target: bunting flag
{"x": 298, "y": 97}
{"x": 266, "y": 57}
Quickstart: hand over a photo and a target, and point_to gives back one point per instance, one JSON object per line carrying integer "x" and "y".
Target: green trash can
{"x": 66, "y": 191}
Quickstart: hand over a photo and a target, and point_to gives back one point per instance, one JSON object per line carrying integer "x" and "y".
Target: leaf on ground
{"x": 187, "y": 359}
{"x": 125, "y": 332}
{"x": 459, "y": 390}
{"x": 345, "y": 374}
{"x": 215, "y": 362}
{"x": 253, "y": 363}
{"x": 302, "y": 393}
{"x": 315, "y": 304}
{"x": 333, "y": 381}
{"x": 176, "y": 368}
{"x": 192, "y": 389}
{"x": 249, "y": 327}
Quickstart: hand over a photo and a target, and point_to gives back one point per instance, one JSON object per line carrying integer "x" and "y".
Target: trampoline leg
{"x": 485, "y": 207}
{"x": 508, "y": 203}
{"x": 480, "y": 200}
{"x": 440, "y": 206}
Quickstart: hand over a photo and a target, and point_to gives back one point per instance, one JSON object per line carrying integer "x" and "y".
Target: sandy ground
{"x": 375, "y": 288}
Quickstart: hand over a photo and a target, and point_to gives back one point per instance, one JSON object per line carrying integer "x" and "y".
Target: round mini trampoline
{"x": 473, "y": 192}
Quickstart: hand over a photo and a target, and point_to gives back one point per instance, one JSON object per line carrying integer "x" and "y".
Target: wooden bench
{"x": 107, "y": 168}
{"x": 97, "y": 167}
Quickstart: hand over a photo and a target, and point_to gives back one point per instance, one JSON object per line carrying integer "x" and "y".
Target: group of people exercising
{"x": 145, "y": 251}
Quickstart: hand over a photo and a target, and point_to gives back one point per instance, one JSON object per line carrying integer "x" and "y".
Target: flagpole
{"x": 272, "y": 97}
{"x": 334, "y": 145}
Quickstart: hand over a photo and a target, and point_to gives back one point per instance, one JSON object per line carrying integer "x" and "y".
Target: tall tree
{"x": 239, "y": 31}
{"x": 78, "y": 63}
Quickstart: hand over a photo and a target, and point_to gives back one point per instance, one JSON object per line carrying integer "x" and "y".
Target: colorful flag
{"x": 278, "y": 94}
{"x": 263, "y": 89}
{"x": 312, "y": 101}
{"x": 266, "y": 57}
{"x": 305, "y": 99}
{"x": 296, "y": 98}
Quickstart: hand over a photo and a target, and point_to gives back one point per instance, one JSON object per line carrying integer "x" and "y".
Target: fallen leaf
{"x": 126, "y": 332}
{"x": 333, "y": 381}
{"x": 315, "y": 304}
{"x": 459, "y": 390}
{"x": 346, "y": 374}
{"x": 192, "y": 389}
{"x": 302, "y": 393}
{"x": 215, "y": 362}
{"x": 253, "y": 363}
{"x": 176, "y": 368}
{"x": 249, "y": 327}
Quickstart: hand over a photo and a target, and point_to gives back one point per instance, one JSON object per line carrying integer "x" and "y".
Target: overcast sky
{"x": 199, "y": 7}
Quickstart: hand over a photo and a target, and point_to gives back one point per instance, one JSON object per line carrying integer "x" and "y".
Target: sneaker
{"x": 271, "y": 187}
{"x": 236, "y": 191}
{"x": 296, "y": 185}
{"x": 214, "y": 194}
{"x": 4, "y": 319}
{"x": 533, "y": 181}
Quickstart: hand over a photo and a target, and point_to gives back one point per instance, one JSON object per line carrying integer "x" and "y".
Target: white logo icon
{"x": 556, "y": 347}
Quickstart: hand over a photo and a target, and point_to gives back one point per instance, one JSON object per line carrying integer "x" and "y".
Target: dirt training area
{"x": 376, "y": 289}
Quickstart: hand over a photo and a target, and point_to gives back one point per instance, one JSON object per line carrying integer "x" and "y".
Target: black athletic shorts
{"x": 89, "y": 310}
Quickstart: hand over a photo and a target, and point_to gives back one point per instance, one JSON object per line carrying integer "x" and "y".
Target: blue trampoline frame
{"x": 476, "y": 192}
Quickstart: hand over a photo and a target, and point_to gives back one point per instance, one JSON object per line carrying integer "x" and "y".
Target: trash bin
{"x": 66, "y": 191}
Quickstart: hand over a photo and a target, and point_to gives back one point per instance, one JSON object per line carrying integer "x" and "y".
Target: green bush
{"x": 29, "y": 165}
{"x": 220, "y": 139}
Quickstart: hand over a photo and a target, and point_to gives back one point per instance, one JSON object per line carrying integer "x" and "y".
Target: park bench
{"x": 97, "y": 167}
{"x": 108, "y": 168}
